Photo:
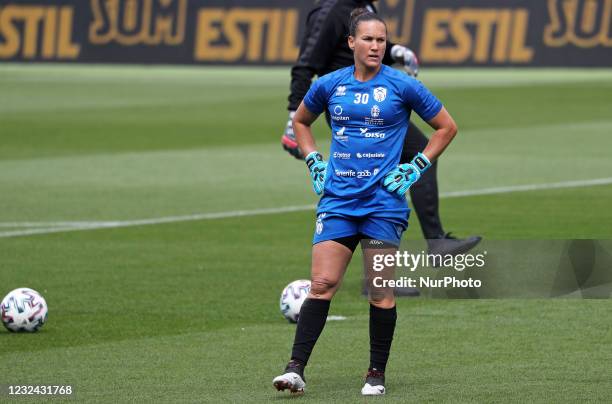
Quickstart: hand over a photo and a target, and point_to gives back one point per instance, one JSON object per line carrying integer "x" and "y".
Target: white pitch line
{"x": 48, "y": 224}
{"x": 44, "y": 230}
{"x": 159, "y": 220}
{"x": 528, "y": 187}
{"x": 62, "y": 227}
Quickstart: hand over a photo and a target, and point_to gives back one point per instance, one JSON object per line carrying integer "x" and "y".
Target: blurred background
{"x": 557, "y": 33}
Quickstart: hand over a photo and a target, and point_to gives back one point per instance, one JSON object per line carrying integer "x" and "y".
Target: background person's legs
{"x": 424, "y": 193}
{"x": 424, "y": 197}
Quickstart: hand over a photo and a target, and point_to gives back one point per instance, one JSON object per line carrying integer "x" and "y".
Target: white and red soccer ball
{"x": 292, "y": 298}
{"x": 23, "y": 310}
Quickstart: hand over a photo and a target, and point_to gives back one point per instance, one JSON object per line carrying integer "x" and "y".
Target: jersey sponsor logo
{"x": 375, "y": 111}
{"x": 374, "y": 121}
{"x": 340, "y": 136}
{"x": 319, "y": 223}
{"x": 338, "y": 114}
{"x": 341, "y": 91}
{"x": 345, "y": 173}
{"x": 342, "y": 156}
{"x": 356, "y": 174}
{"x": 380, "y": 93}
{"x": 364, "y": 174}
{"x": 371, "y": 135}
{"x": 370, "y": 155}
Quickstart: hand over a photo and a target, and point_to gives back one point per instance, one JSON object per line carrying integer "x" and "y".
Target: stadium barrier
{"x": 267, "y": 32}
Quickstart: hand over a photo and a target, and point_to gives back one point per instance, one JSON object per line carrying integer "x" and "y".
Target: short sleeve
{"x": 316, "y": 98}
{"x": 421, "y": 100}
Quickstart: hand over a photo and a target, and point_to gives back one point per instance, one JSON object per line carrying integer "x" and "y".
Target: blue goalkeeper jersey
{"x": 369, "y": 121}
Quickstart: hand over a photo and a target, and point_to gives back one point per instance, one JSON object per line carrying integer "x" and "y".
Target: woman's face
{"x": 369, "y": 43}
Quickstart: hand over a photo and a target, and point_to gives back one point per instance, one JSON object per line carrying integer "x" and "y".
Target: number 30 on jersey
{"x": 361, "y": 98}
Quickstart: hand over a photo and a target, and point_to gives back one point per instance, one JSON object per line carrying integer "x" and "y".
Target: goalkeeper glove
{"x": 400, "y": 179}
{"x": 317, "y": 167}
{"x": 288, "y": 140}
{"x": 407, "y": 58}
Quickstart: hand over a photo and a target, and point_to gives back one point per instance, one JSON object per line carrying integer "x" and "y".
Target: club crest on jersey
{"x": 341, "y": 91}
{"x": 380, "y": 93}
{"x": 375, "y": 111}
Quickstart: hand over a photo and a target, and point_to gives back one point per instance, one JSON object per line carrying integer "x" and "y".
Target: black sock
{"x": 311, "y": 321}
{"x": 382, "y": 327}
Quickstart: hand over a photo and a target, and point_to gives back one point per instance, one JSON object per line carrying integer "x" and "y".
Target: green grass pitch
{"x": 188, "y": 311}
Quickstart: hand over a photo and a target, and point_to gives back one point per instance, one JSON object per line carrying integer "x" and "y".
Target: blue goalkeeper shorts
{"x": 380, "y": 217}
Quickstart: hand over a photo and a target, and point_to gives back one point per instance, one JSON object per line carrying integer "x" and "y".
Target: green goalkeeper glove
{"x": 401, "y": 178}
{"x": 317, "y": 167}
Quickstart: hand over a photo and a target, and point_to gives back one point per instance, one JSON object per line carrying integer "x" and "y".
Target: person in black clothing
{"x": 324, "y": 49}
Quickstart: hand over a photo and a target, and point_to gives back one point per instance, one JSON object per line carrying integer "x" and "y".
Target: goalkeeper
{"x": 362, "y": 186}
{"x": 324, "y": 49}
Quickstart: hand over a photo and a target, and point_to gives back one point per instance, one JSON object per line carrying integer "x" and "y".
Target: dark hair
{"x": 361, "y": 14}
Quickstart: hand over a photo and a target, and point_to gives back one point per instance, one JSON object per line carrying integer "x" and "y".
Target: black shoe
{"x": 447, "y": 244}
{"x": 374, "y": 383}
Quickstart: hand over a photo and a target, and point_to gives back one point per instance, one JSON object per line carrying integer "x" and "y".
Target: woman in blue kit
{"x": 362, "y": 186}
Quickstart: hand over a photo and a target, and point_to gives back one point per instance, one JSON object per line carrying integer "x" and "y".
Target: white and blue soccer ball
{"x": 23, "y": 310}
{"x": 292, "y": 298}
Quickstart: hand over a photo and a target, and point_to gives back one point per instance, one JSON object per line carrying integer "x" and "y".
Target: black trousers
{"x": 423, "y": 194}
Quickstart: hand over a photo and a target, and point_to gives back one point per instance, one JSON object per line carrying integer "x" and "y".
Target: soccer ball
{"x": 292, "y": 298}
{"x": 23, "y": 309}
